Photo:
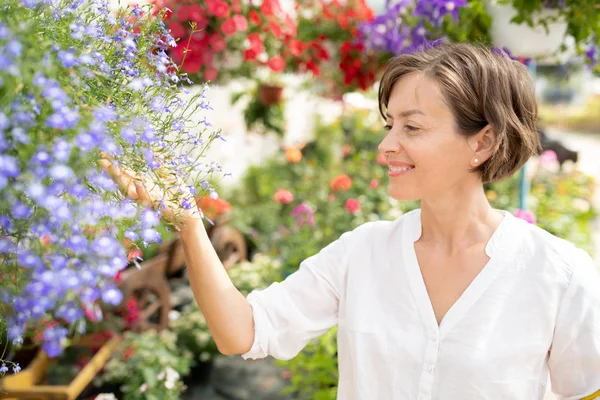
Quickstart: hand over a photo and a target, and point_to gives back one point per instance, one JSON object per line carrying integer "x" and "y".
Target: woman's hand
{"x": 149, "y": 194}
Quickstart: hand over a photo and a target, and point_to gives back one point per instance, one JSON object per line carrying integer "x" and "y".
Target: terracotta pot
{"x": 270, "y": 94}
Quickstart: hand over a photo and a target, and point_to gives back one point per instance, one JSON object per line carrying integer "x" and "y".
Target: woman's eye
{"x": 411, "y": 128}
{"x": 387, "y": 127}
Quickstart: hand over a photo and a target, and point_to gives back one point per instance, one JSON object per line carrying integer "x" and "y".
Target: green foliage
{"x": 148, "y": 366}
{"x": 314, "y": 373}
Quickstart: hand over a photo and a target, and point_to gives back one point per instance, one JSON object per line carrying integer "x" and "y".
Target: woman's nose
{"x": 389, "y": 144}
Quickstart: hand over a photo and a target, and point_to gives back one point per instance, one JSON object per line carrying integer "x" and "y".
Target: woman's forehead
{"x": 417, "y": 92}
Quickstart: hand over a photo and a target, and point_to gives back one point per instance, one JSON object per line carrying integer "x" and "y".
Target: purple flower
{"x": 21, "y": 210}
{"x": 61, "y": 172}
{"x": 149, "y": 218}
{"x": 42, "y": 157}
{"x": 67, "y": 58}
{"x": 3, "y": 369}
{"x": 4, "y": 122}
{"x": 14, "y": 48}
{"x": 9, "y": 166}
{"x": 70, "y": 312}
{"x": 27, "y": 259}
{"x": 4, "y": 32}
{"x": 112, "y": 296}
{"x": 62, "y": 150}
{"x": 151, "y": 236}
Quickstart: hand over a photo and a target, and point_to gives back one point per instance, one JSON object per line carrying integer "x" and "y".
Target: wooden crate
{"x": 28, "y": 384}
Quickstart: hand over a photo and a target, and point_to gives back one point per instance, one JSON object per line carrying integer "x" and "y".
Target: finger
{"x": 142, "y": 194}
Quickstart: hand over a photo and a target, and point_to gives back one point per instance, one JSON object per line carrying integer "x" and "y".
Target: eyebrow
{"x": 407, "y": 113}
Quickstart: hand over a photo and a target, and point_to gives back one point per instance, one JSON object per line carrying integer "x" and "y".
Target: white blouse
{"x": 533, "y": 311}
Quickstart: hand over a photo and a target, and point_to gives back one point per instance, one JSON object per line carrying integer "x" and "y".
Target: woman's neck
{"x": 458, "y": 218}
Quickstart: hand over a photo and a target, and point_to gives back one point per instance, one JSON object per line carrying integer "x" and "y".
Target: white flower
{"x": 106, "y": 396}
{"x": 172, "y": 378}
{"x": 174, "y": 315}
{"x": 143, "y": 388}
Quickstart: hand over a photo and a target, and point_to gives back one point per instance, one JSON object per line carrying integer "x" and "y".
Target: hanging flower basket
{"x": 523, "y": 40}
{"x": 270, "y": 94}
{"x": 30, "y": 383}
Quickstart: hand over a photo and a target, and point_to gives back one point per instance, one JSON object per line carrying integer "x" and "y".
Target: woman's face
{"x": 426, "y": 155}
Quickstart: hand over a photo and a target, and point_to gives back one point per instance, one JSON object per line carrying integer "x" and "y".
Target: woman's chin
{"x": 402, "y": 194}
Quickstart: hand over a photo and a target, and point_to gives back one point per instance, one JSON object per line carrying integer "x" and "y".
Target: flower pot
{"x": 270, "y": 94}
{"x": 521, "y": 39}
{"x": 29, "y": 383}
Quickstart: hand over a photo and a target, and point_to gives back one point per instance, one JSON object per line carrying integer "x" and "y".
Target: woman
{"x": 454, "y": 301}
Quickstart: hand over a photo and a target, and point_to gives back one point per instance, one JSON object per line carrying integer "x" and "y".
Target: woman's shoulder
{"x": 548, "y": 249}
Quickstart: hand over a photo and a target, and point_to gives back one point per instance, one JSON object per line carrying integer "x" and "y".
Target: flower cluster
{"x": 77, "y": 80}
{"x": 406, "y": 25}
{"x": 227, "y": 37}
{"x": 326, "y": 45}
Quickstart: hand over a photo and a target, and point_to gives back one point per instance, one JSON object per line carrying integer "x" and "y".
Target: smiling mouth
{"x": 397, "y": 171}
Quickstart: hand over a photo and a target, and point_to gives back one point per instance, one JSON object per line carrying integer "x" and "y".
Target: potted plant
{"x": 540, "y": 35}
{"x": 264, "y": 111}
{"x": 545, "y": 24}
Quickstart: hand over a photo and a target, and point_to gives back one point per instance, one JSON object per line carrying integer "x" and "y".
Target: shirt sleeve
{"x": 574, "y": 361}
{"x": 289, "y": 314}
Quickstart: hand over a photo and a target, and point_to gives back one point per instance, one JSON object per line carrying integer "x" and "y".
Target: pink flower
{"x": 526, "y": 215}
{"x": 283, "y": 196}
{"x": 548, "y": 158}
{"x": 352, "y": 205}
{"x": 374, "y": 184}
{"x": 304, "y": 214}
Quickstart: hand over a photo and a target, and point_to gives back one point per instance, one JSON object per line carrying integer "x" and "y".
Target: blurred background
{"x": 292, "y": 85}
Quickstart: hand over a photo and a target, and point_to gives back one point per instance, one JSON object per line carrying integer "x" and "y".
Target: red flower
{"x": 192, "y": 65}
{"x": 283, "y": 196}
{"x": 194, "y": 13}
{"x": 210, "y": 73}
{"x": 177, "y": 30}
{"x": 276, "y": 30}
{"x": 276, "y": 64}
{"x": 217, "y": 43}
{"x": 352, "y": 205}
{"x": 254, "y": 17}
{"x": 341, "y": 183}
{"x": 296, "y": 47}
{"x": 250, "y": 55}
{"x": 256, "y": 43}
{"x": 269, "y": 7}
{"x": 128, "y": 353}
{"x": 313, "y": 67}
{"x": 241, "y": 23}
{"x": 228, "y": 27}
{"x": 134, "y": 254}
{"x": 218, "y": 8}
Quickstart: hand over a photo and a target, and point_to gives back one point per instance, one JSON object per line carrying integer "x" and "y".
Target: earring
{"x": 476, "y": 161}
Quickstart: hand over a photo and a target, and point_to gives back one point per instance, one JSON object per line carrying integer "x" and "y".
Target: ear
{"x": 483, "y": 144}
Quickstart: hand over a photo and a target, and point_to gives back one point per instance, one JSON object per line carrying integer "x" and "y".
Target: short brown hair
{"x": 481, "y": 86}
